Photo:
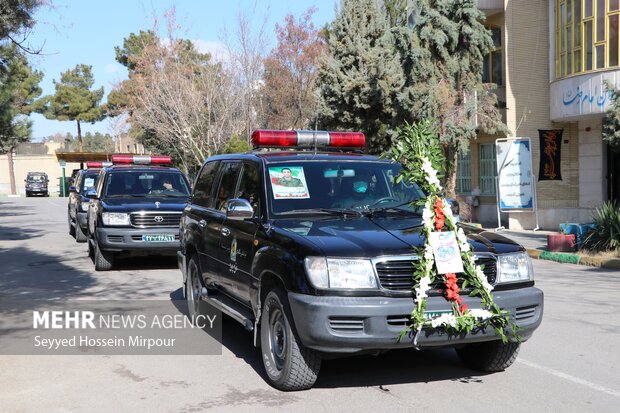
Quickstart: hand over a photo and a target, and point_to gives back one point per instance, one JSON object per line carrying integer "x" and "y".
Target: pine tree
{"x": 74, "y": 100}
{"x": 361, "y": 76}
{"x": 611, "y": 125}
{"x": 453, "y": 32}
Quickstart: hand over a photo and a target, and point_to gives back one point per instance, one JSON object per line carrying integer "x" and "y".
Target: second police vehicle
{"x": 135, "y": 209}
{"x": 312, "y": 251}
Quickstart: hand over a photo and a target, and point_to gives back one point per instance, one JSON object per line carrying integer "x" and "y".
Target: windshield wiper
{"x": 395, "y": 208}
{"x": 328, "y": 211}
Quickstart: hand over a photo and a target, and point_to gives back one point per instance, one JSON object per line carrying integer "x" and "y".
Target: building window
{"x": 493, "y": 65}
{"x": 463, "y": 173}
{"x": 586, "y": 35}
{"x": 487, "y": 169}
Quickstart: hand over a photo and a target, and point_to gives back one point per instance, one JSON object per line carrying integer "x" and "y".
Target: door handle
{"x": 202, "y": 223}
{"x": 225, "y": 232}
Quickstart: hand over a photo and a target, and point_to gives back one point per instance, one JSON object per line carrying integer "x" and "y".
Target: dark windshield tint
{"x": 37, "y": 178}
{"x": 146, "y": 183}
{"x": 348, "y": 185}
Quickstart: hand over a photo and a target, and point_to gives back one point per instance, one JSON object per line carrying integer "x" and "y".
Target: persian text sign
{"x": 514, "y": 171}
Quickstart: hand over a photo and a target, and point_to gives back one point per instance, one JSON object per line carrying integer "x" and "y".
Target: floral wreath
{"x": 419, "y": 152}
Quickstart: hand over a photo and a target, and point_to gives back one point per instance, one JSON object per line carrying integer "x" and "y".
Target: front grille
{"x": 347, "y": 325}
{"x": 397, "y": 274}
{"x": 155, "y": 219}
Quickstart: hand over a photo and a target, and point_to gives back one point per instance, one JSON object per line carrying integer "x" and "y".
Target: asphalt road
{"x": 570, "y": 365}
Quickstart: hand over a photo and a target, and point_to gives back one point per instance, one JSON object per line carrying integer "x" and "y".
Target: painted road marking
{"x": 568, "y": 377}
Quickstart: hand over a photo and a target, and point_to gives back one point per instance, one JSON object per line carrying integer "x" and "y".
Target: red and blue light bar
{"x": 141, "y": 160}
{"x": 307, "y": 139}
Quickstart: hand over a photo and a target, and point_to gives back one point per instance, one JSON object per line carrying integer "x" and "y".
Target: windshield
{"x": 88, "y": 182}
{"x": 36, "y": 178}
{"x": 331, "y": 187}
{"x": 146, "y": 184}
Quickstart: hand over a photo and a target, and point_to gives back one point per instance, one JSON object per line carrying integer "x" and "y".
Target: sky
{"x": 74, "y": 32}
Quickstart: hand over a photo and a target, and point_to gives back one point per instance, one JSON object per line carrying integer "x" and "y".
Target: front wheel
{"x": 80, "y": 235}
{"x": 104, "y": 260}
{"x": 491, "y": 356}
{"x": 193, "y": 289}
{"x": 289, "y": 365}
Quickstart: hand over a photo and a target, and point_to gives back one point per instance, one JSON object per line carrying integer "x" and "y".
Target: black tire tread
{"x": 492, "y": 356}
{"x": 80, "y": 235}
{"x": 104, "y": 261}
{"x": 305, "y": 363}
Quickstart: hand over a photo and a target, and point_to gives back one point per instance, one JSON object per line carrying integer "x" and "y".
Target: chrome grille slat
{"x": 148, "y": 219}
{"x": 396, "y": 274}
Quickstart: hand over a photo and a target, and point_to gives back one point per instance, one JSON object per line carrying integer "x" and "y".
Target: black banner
{"x": 550, "y": 149}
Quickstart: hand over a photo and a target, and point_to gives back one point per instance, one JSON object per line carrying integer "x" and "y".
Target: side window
{"x": 228, "y": 184}
{"x": 249, "y": 187}
{"x": 204, "y": 183}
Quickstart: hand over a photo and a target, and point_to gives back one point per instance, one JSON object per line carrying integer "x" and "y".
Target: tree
{"x": 453, "y": 33}
{"x": 74, "y": 100}
{"x": 360, "y": 79}
{"x": 96, "y": 142}
{"x": 291, "y": 73}
{"x": 611, "y": 125}
{"x": 16, "y": 19}
{"x": 19, "y": 89}
{"x": 183, "y": 104}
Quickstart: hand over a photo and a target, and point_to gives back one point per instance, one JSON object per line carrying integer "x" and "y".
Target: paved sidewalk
{"x": 535, "y": 242}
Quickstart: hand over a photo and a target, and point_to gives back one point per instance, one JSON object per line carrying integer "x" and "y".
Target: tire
{"x": 104, "y": 260}
{"x": 193, "y": 289}
{"x": 491, "y": 356}
{"x": 80, "y": 235}
{"x": 289, "y": 365}
{"x": 27, "y": 194}
{"x": 71, "y": 227}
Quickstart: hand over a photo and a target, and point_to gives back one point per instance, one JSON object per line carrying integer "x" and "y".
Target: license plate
{"x": 434, "y": 314}
{"x": 158, "y": 238}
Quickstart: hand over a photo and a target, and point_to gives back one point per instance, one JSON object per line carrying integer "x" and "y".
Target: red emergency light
{"x": 141, "y": 160}
{"x": 307, "y": 139}
{"x": 90, "y": 165}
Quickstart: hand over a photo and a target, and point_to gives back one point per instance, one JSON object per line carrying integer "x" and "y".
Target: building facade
{"x": 550, "y": 61}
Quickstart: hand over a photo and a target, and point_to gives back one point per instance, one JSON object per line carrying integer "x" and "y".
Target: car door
{"x": 237, "y": 237}
{"x": 218, "y": 262}
{"x": 200, "y": 218}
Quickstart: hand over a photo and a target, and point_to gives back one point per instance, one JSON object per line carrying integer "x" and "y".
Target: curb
{"x": 564, "y": 257}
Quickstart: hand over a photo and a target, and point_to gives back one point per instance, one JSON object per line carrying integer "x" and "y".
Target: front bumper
{"x": 36, "y": 190}
{"x": 130, "y": 239}
{"x": 357, "y": 324}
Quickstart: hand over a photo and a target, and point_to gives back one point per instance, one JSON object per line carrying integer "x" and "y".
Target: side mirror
{"x": 72, "y": 189}
{"x": 91, "y": 194}
{"x": 239, "y": 209}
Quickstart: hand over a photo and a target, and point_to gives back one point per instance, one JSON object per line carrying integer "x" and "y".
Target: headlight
{"x": 515, "y": 268}
{"x": 84, "y": 206}
{"x": 340, "y": 273}
{"x": 115, "y": 218}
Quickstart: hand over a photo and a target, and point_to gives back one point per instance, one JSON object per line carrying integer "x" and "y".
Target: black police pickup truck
{"x": 313, "y": 253}
{"x": 77, "y": 207}
{"x": 135, "y": 208}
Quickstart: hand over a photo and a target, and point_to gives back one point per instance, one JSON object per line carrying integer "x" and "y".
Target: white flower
{"x": 447, "y": 209}
{"x": 444, "y": 319}
{"x": 465, "y": 247}
{"x": 428, "y": 252}
{"x": 431, "y": 173}
{"x": 427, "y": 217}
{"x": 460, "y": 235}
{"x": 480, "y": 313}
{"x": 483, "y": 279}
{"x": 425, "y": 284}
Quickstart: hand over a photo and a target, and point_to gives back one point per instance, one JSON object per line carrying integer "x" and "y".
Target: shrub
{"x": 606, "y": 235}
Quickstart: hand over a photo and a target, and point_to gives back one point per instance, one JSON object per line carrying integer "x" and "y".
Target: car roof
{"x": 292, "y": 156}
{"x": 141, "y": 168}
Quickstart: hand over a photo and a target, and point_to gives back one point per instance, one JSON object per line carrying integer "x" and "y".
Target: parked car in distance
{"x": 36, "y": 183}
{"x": 313, "y": 252}
{"x": 77, "y": 207}
{"x": 135, "y": 209}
